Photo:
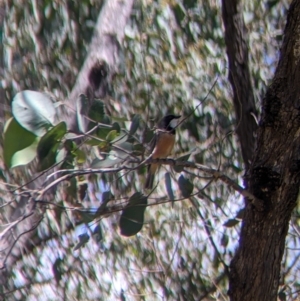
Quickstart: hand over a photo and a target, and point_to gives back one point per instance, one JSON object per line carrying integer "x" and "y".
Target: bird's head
{"x": 168, "y": 122}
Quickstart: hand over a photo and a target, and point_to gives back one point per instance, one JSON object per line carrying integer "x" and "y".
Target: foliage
{"x": 174, "y": 52}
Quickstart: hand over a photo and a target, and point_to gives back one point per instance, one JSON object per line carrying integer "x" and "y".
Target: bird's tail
{"x": 150, "y": 176}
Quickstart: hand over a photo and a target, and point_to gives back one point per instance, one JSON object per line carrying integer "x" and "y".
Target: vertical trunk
{"x": 273, "y": 177}
{"x": 239, "y": 77}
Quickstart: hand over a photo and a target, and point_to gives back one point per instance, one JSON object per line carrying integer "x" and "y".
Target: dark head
{"x": 166, "y": 122}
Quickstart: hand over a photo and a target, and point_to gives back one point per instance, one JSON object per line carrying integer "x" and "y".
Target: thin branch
{"x": 210, "y": 237}
{"x": 201, "y": 101}
{"x": 19, "y": 236}
{"x": 11, "y": 225}
{"x": 213, "y": 286}
{"x": 213, "y": 172}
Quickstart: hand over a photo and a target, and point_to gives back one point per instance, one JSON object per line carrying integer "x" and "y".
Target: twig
{"x": 210, "y": 237}
{"x": 201, "y": 101}
{"x": 18, "y": 237}
{"x": 213, "y": 172}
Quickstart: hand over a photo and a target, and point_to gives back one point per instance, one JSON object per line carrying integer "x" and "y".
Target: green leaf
{"x": 231, "y": 223}
{"x": 20, "y": 145}
{"x": 49, "y": 144}
{"x": 134, "y": 124}
{"x": 72, "y": 189}
{"x": 34, "y": 111}
{"x": 189, "y": 3}
{"x": 112, "y": 135}
{"x": 120, "y": 139}
{"x": 185, "y": 186}
{"x": 148, "y": 135}
{"x": 138, "y": 149}
{"x": 116, "y": 127}
{"x": 93, "y": 142}
{"x": 102, "y": 132}
{"x": 132, "y": 217}
{"x": 179, "y": 13}
{"x": 182, "y": 158}
{"x": 119, "y": 119}
{"x": 169, "y": 186}
{"x": 67, "y": 155}
{"x": 83, "y": 239}
{"x": 282, "y": 296}
{"x": 97, "y": 112}
{"x": 80, "y": 156}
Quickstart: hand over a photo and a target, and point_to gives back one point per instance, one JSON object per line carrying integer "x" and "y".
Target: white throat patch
{"x": 173, "y": 123}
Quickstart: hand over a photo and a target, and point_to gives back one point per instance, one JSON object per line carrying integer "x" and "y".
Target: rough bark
{"x": 239, "y": 77}
{"x": 273, "y": 177}
{"x": 94, "y": 79}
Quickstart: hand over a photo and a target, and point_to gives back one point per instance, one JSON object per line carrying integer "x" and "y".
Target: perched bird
{"x": 163, "y": 144}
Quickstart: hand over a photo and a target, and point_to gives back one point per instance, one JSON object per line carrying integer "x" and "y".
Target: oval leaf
{"x": 231, "y": 223}
{"x": 57, "y": 269}
{"x": 48, "y": 145}
{"x": 102, "y": 132}
{"x": 97, "y": 233}
{"x": 115, "y": 156}
{"x": 240, "y": 214}
{"x": 96, "y": 111}
{"x": 116, "y": 127}
{"x": 224, "y": 240}
{"x": 83, "y": 239}
{"x": 169, "y": 186}
{"x": 186, "y": 186}
{"x": 80, "y": 156}
{"x": 20, "y": 145}
{"x": 132, "y": 217}
{"x": 34, "y": 111}
{"x": 112, "y": 135}
{"x": 134, "y": 124}
{"x": 182, "y": 158}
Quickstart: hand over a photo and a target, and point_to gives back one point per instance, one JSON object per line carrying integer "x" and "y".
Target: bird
{"x": 163, "y": 144}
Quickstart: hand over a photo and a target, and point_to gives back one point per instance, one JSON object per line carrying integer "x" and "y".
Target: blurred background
{"x": 173, "y": 60}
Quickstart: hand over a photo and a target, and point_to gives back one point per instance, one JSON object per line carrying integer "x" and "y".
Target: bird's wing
{"x": 152, "y": 143}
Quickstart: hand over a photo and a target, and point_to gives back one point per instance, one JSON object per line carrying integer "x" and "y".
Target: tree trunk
{"x": 273, "y": 177}
{"x": 239, "y": 77}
